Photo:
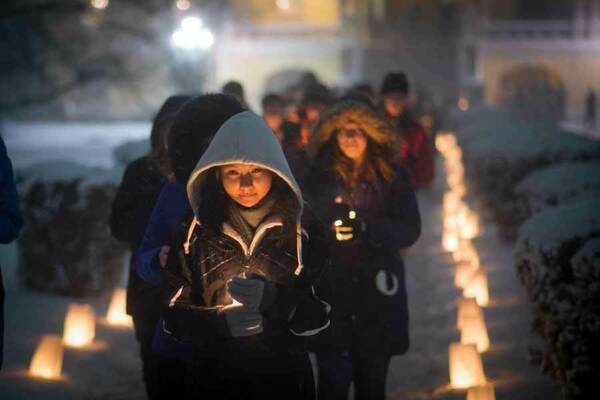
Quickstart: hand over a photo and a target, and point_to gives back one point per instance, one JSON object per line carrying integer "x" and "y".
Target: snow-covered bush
{"x": 65, "y": 246}
{"x": 130, "y": 151}
{"x": 498, "y": 156}
{"x": 559, "y": 184}
{"x": 558, "y": 261}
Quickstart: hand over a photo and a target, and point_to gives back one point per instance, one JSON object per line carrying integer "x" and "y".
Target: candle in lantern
{"x": 474, "y": 331}
{"x": 450, "y": 241}
{"x": 466, "y": 368}
{"x": 80, "y": 325}
{"x": 477, "y": 287}
{"x": 470, "y": 228}
{"x": 47, "y": 359}
{"x": 465, "y": 251}
{"x": 463, "y": 271}
{"x": 481, "y": 393}
{"x": 467, "y": 308}
{"x": 116, "y": 314}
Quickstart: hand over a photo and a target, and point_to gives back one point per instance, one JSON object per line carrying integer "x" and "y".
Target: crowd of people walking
{"x": 256, "y": 239}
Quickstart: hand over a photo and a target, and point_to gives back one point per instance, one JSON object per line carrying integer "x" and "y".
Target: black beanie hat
{"x": 394, "y": 82}
{"x": 194, "y": 126}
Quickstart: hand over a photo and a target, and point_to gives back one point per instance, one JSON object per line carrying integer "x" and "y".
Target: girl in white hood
{"x": 242, "y": 284}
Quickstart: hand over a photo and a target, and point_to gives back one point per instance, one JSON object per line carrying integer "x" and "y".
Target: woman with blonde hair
{"x": 366, "y": 199}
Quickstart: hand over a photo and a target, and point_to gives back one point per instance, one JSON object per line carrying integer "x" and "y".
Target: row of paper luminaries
{"x": 79, "y": 332}
{"x": 461, "y": 225}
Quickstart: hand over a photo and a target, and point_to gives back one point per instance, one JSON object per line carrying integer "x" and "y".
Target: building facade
{"x": 562, "y": 36}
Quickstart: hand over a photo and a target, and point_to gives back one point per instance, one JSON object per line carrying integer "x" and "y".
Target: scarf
{"x": 245, "y": 220}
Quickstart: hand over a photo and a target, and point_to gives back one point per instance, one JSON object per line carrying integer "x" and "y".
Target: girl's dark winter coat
{"x": 290, "y": 255}
{"x": 365, "y": 284}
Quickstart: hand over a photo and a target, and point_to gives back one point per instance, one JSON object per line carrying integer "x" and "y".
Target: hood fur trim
{"x": 377, "y": 128}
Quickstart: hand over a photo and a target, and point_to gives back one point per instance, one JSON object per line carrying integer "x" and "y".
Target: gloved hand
{"x": 241, "y": 321}
{"x": 253, "y": 291}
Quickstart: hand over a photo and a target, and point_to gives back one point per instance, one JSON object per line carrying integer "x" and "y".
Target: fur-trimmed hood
{"x": 377, "y": 128}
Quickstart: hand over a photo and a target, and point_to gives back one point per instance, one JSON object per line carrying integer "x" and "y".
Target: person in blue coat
{"x": 10, "y": 221}
{"x": 142, "y": 182}
{"x": 366, "y": 199}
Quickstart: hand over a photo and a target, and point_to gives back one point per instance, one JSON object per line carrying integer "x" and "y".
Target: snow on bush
{"x": 499, "y": 154}
{"x": 65, "y": 170}
{"x": 65, "y": 246}
{"x": 130, "y": 151}
{"x": 559, "y": 184}
{"x": 558, "y": 261}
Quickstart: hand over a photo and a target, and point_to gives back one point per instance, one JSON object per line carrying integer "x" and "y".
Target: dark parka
{"x": 196, "y": 276}
{"x": 10, "y": 220}
{"x": 365, "y": 284}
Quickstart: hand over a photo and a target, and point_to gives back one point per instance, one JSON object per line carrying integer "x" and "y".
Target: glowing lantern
{"x": 466, "y": 368}
{"x": 451, "y": 202}
{"x": 481, "y": 393}
{"x": 463, "y": 272}
{"x": 474, "y": 331}
{"x": 80, "y": 325}
{"x": 467, "y": 308}
{"x": 450, "y": 241}
{"x": 464, "y": 252}
{"x": 116, "y": 310}
{"x": 470, "y": 227}
{"x": 459, "y": 190}
{"x": 47, "y": 359}
{"x": 477, "y": 287}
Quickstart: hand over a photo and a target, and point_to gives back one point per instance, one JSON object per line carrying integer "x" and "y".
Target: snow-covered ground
{"x": 112, "y": 369}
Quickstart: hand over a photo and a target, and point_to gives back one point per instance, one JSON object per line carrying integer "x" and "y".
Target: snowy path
{"x": 422, "y": 373}
{"x": 112, "y": 370}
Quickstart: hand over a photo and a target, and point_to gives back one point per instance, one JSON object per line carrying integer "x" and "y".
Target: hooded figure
{"x": 241, "y": 287}
{"x": 369, "y": 204}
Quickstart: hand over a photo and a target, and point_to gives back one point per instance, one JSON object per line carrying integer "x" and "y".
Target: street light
{"x": 99, "y": 4}
{"x": 183, "y": 4}
{"x": 191, "y": 35}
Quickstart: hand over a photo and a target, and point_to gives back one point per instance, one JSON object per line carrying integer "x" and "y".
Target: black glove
{"x": 253, "y": 291}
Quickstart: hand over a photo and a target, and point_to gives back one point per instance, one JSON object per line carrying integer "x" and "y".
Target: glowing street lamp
{"x": 99, "y": 4}
{"x": 183, "y": 5}
{"x": 192, "y": 35}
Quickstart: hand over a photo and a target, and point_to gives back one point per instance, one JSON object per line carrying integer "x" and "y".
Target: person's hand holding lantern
{"x": 346, "y": 225}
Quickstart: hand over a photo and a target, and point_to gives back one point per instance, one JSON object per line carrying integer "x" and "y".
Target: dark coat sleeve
{"x": 135, "y": 200}
{"x": 302, "y": 306}
{"x": 172, "y": 209}
{"x": 183, "y": 318}
{"x": 402, "y": 225}
{"x": 10, "y": 216}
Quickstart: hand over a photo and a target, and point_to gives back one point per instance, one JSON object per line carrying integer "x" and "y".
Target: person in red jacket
{"x": 418, "y": 157}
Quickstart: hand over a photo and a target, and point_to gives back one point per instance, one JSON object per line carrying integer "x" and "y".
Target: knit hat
{"x": 395, "y": 82}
